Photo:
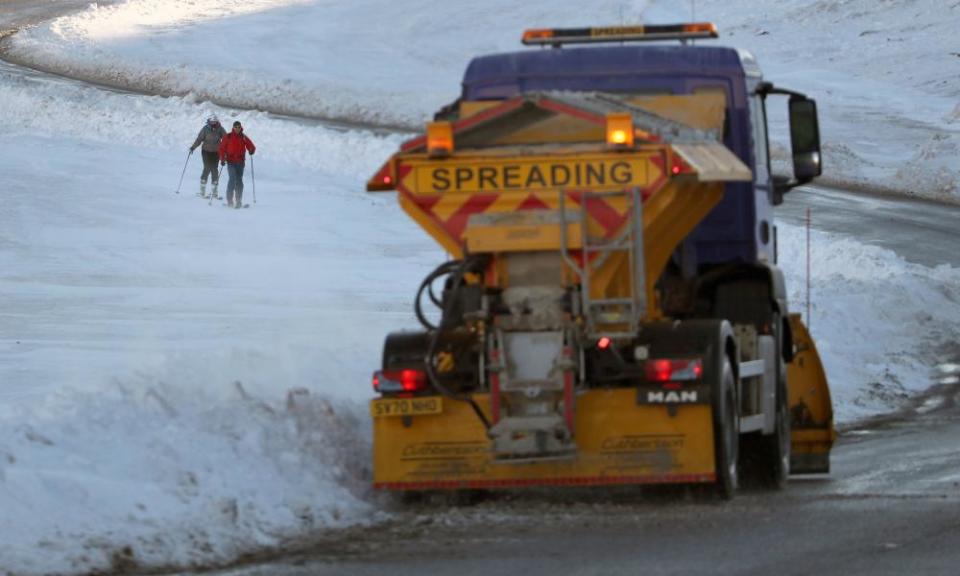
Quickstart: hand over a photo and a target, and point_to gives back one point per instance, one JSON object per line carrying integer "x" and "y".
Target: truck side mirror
{"x": 805, "y": 139}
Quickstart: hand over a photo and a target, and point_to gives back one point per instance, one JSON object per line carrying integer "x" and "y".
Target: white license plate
{"x": 387, "y": 407}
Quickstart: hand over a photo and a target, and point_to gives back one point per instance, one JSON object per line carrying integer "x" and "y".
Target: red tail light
{"x": 382, "y": 180}
{"x": 406, "y": 380}
{"x": 673, "y": 370}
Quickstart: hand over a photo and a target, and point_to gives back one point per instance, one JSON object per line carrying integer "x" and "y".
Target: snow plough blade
{"x": 811, "y": 411}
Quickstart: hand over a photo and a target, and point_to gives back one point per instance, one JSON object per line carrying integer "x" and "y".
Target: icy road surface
{"x": 922, "y": 232}
{"x": 888, "y": 508}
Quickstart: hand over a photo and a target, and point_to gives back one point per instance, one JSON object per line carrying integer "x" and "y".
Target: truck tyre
{"x": 766, "y": 459}
{"x": 726, "y": 432}
{"x": 774, "y": 450}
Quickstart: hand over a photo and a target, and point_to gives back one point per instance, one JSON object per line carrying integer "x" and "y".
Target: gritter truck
{"x": 611, "y": 312}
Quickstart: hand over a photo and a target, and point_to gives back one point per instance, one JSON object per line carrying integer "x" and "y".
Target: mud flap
{"x": 811, "y": 411}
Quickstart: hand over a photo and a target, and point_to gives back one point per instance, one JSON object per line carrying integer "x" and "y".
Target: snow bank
{"x": 881, "y": 323}
{"x": 889, "y": 111}
{"x": 169, "y": 470}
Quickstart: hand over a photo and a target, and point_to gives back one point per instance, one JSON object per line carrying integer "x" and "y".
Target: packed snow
{"x": 184, "y": 383}
{"x": 884, "y": 327}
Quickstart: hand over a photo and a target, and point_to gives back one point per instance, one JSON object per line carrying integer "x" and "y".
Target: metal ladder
{"x": 603, "y": 314}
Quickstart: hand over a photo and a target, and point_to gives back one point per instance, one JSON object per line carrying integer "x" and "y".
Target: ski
{"x": 225, "y": 205}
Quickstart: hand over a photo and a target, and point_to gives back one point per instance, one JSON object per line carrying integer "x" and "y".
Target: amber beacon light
{"x": 620, "y": 130}
{"x": 439, "y": 139}
{"x": 654, "y": 32}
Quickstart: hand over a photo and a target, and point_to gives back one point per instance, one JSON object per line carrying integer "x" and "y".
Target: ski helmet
{"x": 212, "y": 119}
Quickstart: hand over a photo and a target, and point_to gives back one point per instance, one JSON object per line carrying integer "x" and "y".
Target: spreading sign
{"x": 536, "y": 174}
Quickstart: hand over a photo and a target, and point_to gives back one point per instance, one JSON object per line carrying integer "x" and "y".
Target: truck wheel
{"x": 769, "y": 456}
{"x": 766, "y": 459}
{"x": 774, "y": 450}
{"x": 727, "y": 433}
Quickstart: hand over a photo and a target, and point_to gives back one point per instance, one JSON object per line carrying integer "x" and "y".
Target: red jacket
{"x": 232, "y": 145}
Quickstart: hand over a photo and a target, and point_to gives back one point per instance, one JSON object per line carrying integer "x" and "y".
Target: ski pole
{"x": 219, "y": 173}
{"x": 253, "y": 178}
{"x": 189, "y": 154}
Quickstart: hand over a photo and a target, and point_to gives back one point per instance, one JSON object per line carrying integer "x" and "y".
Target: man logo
{"x": 672, "y": 397}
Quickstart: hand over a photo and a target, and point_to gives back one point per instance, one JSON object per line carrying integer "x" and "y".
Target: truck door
{"x": 762, "y": 180}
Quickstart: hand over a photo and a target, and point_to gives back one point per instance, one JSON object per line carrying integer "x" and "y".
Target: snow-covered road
{"x": 128, "y": 314}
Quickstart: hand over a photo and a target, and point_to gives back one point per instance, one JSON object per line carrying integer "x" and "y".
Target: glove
{"x": 223, "y": 162}
{"x": 192, "y": 149}
{"x": 252, "y": 153}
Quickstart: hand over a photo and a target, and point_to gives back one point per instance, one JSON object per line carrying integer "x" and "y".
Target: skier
{"x": 233, "y": 149}
{"x": 209, "y": 140}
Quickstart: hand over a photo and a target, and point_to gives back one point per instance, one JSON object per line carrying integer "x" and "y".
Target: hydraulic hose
{"x": 456, "y": 269}
{"x": 427, "y": 285}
